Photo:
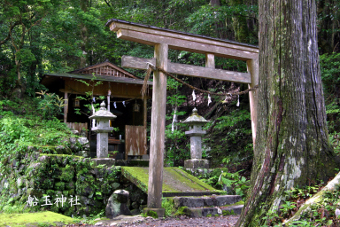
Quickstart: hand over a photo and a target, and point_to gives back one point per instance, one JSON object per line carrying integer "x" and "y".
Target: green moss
{"x": 47, "y": 217}
{"x": 227, "y": 212}
{"x": 151, "y": 213}
{"x": 184, "y": 210}
{"x": 188, "y": 179}
{"x": 140, "y": 177}
{"x": 62, "y": 155}
{"x": 241, "y": 202}
{"x": 60, "y": 186}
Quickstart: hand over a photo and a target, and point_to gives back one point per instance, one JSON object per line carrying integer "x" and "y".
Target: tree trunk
{"x": 240, "y": 28}
{"x": 215, "y": 2}
{"x": 84, "y": 35}
{"x": 292, "y": 147}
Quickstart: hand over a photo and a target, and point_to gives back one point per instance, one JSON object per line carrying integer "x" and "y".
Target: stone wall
{"x": 41, "y": 182}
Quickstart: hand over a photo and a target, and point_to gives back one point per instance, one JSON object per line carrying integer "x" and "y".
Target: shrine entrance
{"x": 163, "y": 40}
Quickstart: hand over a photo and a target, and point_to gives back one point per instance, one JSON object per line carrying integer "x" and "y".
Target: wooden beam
{"x": 187, "y": 45}
{"x": 137, "y": 63}
{"x": 190, "y": 70}
{"x": 157, "y": 137}
{"x": 116, "y": 26}
{"x": 209, "y": 73}
{"x": 102, "y": 94}
{"x": 253, "y": 69}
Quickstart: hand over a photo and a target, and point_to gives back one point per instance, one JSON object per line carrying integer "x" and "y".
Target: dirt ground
{"x": 226, "y": 221}
{"x": 182, "y": 221}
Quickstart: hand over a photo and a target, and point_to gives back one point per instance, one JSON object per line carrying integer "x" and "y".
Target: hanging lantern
{"x": 76, "y": 102}
{"x": 136, "y": 107}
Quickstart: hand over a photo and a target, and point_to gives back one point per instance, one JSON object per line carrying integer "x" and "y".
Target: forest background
{"x": 39, "y": 36}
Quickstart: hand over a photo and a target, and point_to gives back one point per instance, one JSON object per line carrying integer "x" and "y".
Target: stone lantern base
{"x": 196, "y": 164}
{"x": 104, "y": 161}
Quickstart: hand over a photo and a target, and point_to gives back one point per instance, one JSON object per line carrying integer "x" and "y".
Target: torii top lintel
{"x": 211, "y": 47}
{"x": 177, "y": 40}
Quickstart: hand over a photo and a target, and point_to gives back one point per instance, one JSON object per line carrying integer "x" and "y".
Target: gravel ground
{"x": 225, "y": 221}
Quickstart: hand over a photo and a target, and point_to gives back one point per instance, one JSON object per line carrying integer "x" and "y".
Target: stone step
{"x": 206, "y": 201}
{"x": 206, "y": 211}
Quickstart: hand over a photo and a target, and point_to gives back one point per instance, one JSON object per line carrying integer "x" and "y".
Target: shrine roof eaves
{"x": 105, "y": 62}
{"x": 179, "y": 32}
{"x": 100, "y": 78}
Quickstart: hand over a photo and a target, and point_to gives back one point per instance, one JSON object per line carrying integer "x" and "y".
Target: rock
{"x": 15, "y": 163}
{"x": 83, "y": 141}
{"x": 60, "y": 149}
{"x": 75, "y": 132}
{"x": 135, "y": 212}
{"x": 32, "y": 169}
{"x": 83, "y": 153}
{"x": 117, "y": 204}
{"x": 73, "y": 140}
{"x": 135, "y": 205}
{"x": 21, "y": 182}
{"x": 31, "y": 149}
{"x": 44, "y": 158}
{"x": 115, "y": 185}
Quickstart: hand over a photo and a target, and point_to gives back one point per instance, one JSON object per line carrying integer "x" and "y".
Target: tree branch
{"x": 107, "y": 3}
{"x": 9, "y": 33}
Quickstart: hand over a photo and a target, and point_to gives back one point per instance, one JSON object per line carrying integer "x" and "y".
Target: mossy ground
{"x": 39, "y": 218}
{"x": 140, "y": 177}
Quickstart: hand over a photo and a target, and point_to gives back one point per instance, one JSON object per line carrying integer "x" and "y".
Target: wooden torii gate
{"x": 162, "y": 40}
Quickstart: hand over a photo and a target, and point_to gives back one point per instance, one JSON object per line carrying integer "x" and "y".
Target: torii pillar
{"x": 157, "y": 137}
{"x": 162, "y": 40}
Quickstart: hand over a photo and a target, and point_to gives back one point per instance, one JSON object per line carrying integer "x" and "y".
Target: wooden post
{"x": 209, "y": 61}
{"x": 145, "y": 111}
{"x": 66, "y": 106}
{"x": 157, "y": 131}
{"x": 253, "y": 69}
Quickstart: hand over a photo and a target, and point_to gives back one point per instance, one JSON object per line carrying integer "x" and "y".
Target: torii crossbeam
{"x": 163, "y": 40}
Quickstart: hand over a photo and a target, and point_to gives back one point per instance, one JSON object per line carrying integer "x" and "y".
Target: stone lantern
{"x": 196, "y": 122}
{"x": 102, "y": 127}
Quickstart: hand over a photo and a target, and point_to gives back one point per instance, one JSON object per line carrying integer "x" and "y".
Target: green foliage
{"x": 222, "y": 179}
{"x": 50, "y": 104}
{"x": 169, "y": 206}
{"x": 330, "y": 72}
{"x": 181, "y": 211}
{"x": 321, "y": 213}
{"x": 226, "y": 212}
{"x": 236, "y": 144}
{"x": 150, "y": 213}
{"x": 176, "y": 141}
{"x": 218, "y": 20}
{"x": 89, "y": 96}
{"x": 20, "y": 132}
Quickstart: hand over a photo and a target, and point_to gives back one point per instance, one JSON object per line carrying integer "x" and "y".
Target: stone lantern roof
{"x": 195, "y": 119}
{"x": 102, "y": 113}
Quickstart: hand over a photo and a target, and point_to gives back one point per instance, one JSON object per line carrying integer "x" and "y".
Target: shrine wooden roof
{"x": 125, "y": 80}
{"x": 105, "y": 69}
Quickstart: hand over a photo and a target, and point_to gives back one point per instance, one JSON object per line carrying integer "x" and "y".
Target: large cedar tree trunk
{"x": 292, "y": 147}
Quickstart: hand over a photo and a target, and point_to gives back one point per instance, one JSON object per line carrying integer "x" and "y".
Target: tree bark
{"x": 215, "y": 2}
{"x": 292, "y": 147}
